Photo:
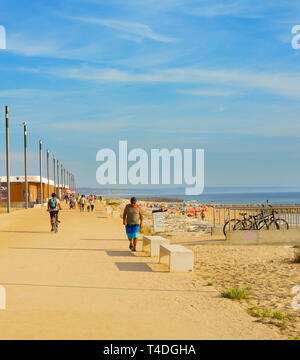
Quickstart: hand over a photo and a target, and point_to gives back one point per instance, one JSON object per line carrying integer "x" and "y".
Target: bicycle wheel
{"x": 273, "y": 225}
{"x": 55, "y": 225}
{"x": 282, "y": 224}
{"x": 232, "y": 222}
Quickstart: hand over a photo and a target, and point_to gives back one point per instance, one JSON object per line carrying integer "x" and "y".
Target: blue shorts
{"x": 132, "y": 231}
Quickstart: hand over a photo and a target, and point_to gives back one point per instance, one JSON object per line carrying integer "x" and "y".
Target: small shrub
{"x": 236, "y": 293}
{"x": 260, "y": 313}
{"x": 209, "y": 284}
{"x": 282, "y": 324}
{"x": 254, "y": 311}
{"x": 266, "y": 313}
{"x": 278, "y": 315}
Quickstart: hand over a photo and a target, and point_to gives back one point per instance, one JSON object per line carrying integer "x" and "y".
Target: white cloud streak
{"x": 133, "y": 28}
{"x": 207, "y": 93}
{"x": 280, "y": 84}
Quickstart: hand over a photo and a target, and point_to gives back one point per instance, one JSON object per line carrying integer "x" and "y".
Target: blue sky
{"x": 217, "y": 75}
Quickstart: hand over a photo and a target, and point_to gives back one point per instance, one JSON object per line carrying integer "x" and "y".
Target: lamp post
{"x": 48, "y": 173}
{"x": 41, "y": 174}
{"x": 7, "y": 159}
{"x": 58, "y": 179}
{"x": 54, "y": 177}
{"x": 25, "y": 164}
{"x": 62, "y": 176}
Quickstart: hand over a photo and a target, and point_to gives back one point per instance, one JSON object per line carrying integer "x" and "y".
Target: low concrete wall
{"x": 264, "y": 237}
{"x": 217, "y": 230}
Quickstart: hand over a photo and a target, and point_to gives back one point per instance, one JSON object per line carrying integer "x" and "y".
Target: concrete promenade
{"x": 84, "y": 283}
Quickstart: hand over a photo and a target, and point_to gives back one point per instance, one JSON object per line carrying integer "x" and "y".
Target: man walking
{"x": 133, "y": 220}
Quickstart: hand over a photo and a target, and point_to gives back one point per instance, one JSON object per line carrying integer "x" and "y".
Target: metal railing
{"x": 221, "y": 214}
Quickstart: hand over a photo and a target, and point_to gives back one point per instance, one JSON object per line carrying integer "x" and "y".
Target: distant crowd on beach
{"x": 81, "y": 201}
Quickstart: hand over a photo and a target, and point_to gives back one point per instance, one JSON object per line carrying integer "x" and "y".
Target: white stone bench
{"x": 151, "y": 244}
{"x": 116, "y": 214}
{"x": 179, "y": 258}
{"x": 108, "y": 209}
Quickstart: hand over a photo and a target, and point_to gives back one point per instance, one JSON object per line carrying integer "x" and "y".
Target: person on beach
{"x": 133, "y": 221}
{"x": 82, "y": 203}
{"x": 159, "y": 210}
{"x": 92, "y": 203}
{"x": 53, "y": 207}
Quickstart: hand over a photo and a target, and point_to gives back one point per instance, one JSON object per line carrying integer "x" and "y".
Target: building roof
{"x": 31, "y": 179}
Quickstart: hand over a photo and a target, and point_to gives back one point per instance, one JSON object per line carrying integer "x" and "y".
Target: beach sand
{"x": 269, "y": 271}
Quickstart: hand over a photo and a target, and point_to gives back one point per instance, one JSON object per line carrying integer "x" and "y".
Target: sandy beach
{"x": 84, "y": 283}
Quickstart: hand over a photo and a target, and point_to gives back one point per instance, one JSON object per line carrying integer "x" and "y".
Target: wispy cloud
{"x": 133, "y": 28}
{"x": 212, "y": 93}
{"x": 282, "y": 84}
{"x": 17, "y": 93}
{"x": 97, "y": 126}
{"x": 21, "y": 93}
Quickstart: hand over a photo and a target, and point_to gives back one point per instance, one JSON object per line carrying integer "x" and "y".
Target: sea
{"x": 211, "y": 195}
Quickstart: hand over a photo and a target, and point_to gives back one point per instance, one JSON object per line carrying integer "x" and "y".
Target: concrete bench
{"x": 151, "y": 244}
{"x": 108, "y": 209}
{"x": 179, "y": 258}
{"x": 116, "y": 214}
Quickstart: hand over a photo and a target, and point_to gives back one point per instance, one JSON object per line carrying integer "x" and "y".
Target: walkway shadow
{"x": 108, "y": 252}
{"x": 118, "y": 253}
{"x": 25, "y": 232}
{"x": 103, "y": 239}
{"x": 140, "y": 267}
{"x": 109, "y": 288}
{"x": 55, "y": 249}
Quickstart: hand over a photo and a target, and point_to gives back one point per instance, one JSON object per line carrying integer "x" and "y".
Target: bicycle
{"x": 272, "y": 222}
{"x": 55, "y": 226}
{"x": 237, "y": 224}
{"x": 256, "y": 222}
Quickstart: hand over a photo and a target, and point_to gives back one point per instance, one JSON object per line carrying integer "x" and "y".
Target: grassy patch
{"x": 113, "y": 203}
{"x": 236, "y": 293}
{"x": 278, "y": 315}
{"x": 259, "y": 313}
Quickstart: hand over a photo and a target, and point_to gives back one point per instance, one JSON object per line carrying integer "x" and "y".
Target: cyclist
{"x": 54, "y": 207}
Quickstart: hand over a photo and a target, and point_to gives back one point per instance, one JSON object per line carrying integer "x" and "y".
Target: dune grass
{"x": 236, "y": 293}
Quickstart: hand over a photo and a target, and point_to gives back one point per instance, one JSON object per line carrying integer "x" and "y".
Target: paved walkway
{"x": 84, "y": 283}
